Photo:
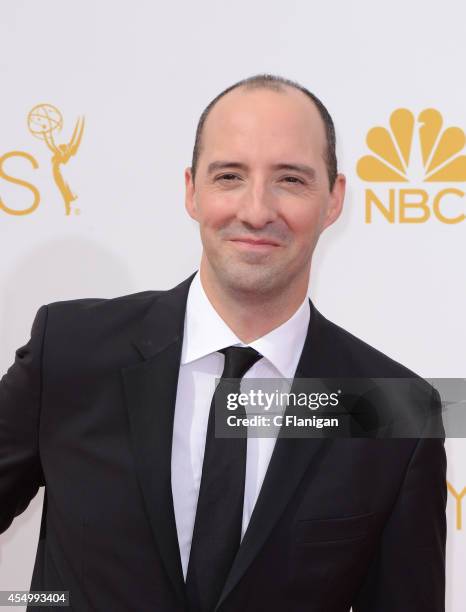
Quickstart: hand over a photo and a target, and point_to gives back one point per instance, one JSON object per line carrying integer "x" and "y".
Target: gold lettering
{"x": 421, "y": 205}
{"x": 17, "y": 181}
{"x": 459, "y": 510}
{"x": 388, "y": 213}
{"x": 440, "y": 216}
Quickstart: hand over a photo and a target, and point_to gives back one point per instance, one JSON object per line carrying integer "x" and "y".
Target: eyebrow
{"x": 223, "y": 165}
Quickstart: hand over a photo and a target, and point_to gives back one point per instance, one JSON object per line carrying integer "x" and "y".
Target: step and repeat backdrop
{"x": 98, "y": 108}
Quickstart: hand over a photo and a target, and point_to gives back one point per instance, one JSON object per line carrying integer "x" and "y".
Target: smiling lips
{"x": 251, "y": 243}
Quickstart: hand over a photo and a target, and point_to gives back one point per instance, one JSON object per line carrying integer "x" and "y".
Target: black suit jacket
{"x": 86, "y": 410}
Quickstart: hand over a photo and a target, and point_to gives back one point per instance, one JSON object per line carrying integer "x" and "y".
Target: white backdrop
{"x": 141, "y": 73}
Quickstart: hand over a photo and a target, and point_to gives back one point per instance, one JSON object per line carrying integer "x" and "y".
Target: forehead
{"x": 264, "y": 122}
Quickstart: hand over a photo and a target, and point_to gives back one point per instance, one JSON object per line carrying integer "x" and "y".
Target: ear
{"x": 189, "y": 198}
{"x": 337, "y": 196}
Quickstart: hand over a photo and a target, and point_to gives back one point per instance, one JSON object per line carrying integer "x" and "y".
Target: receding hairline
{"x": 250, "y": 87}
{"x": 278, "y": 84}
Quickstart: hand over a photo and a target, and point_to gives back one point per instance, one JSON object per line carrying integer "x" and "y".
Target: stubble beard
{"x": 251, "y": 276}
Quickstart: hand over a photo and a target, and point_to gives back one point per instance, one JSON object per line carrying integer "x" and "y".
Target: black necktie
{"x": 219, "y": 512}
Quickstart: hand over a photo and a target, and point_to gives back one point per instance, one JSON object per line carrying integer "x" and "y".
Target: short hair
{"x": 275, "y": 83}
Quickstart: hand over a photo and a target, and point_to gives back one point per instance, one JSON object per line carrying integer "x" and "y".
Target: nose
{"x": 257, "y": 206}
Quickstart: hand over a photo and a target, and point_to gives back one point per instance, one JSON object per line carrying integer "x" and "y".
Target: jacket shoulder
{"x": 88, "y": 320}
{"x": 365, "y": 358}
{"x": 128, "y": 300}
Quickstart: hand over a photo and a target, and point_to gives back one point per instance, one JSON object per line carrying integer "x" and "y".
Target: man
{"x": 109, "y": 407}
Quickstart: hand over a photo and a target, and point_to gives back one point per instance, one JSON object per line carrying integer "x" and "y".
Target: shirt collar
{"x": 206, "y": 332}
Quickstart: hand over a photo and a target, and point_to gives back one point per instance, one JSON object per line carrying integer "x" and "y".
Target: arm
{"x": 408, "y": 569}
{"x": 20, "y": 399}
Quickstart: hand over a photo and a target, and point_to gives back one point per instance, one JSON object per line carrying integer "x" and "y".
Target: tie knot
{"x": 238, "y": 360}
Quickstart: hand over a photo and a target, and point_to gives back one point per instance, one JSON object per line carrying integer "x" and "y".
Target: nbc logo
{"x": 410, "y": 152}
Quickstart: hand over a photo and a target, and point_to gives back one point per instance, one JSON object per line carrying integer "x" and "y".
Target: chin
{"x": 246, "y": 279}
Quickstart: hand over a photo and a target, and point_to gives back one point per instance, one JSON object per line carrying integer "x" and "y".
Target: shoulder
{"x": 405, "y": 395}
{"x": 365, "y": 359}
{"x": 103, "y": 306}
{"x": 87, "y": 317}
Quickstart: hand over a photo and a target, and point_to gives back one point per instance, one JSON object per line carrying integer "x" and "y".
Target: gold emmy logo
{"x": 458, "y": 496}
{"x": 391, "y": 161}
{"x": 43, "y": 121}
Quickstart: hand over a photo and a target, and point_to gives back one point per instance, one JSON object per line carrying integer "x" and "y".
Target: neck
{"x": 252, "y": 316}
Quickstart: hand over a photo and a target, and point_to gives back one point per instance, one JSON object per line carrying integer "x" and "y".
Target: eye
{"x": 227, "y": 177}
{"x": 294, "y": 180}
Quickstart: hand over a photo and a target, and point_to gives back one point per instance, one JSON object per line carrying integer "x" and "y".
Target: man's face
{"x": 261, "y": 194}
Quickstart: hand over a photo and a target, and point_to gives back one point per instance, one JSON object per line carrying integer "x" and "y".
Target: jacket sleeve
{"x": 20, "y": 401}
{"x": 408, "y": 568}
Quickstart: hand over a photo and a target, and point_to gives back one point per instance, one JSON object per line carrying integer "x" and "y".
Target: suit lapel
{"x": 150, "y": 394}
{"x": 289, "y": 461}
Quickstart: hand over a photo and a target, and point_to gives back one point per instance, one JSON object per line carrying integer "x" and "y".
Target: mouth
{"x": 254, "y": 245}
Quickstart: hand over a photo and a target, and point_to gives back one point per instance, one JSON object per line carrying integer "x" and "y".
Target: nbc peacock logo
{"x": 415, "y": 151}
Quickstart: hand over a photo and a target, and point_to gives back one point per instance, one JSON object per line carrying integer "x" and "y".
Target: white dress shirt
{"x": 205, "y": 333}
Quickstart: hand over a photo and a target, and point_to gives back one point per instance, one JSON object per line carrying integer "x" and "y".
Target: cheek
{"x": 303, "y": 220}
{"x": 215, "y": 210}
